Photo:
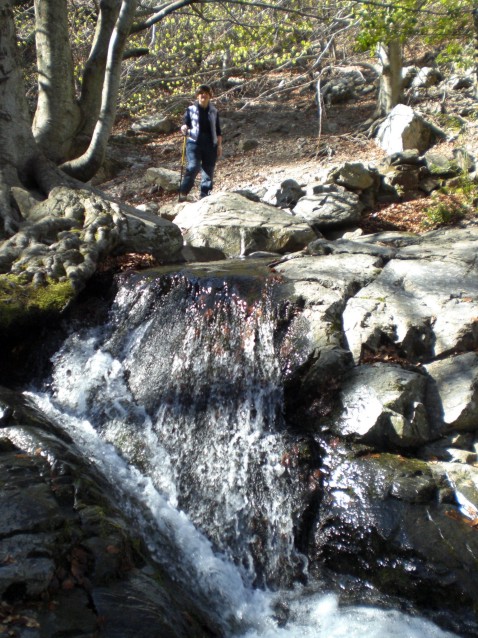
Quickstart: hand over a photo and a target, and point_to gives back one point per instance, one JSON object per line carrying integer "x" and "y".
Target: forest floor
{"x": 291, "y": 144}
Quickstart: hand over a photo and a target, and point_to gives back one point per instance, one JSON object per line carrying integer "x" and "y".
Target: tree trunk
{"x": 475, "y": 30}
{"x": 58, "y": 115}
{"x": 85, "y": 167}
{"x": 390, "y": 92}
{"x": 17, "y": 146}
{"x": 94, "y": 73}
{"x": 21, "y": 160}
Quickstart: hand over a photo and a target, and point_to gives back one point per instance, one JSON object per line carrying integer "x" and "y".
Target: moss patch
{"x": 21, "y": 300}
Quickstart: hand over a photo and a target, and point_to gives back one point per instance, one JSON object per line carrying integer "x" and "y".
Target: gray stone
{"x": 459, "y": 82}
{"x": 353, "y": 175}
{"x": 429, "y": 184}
{"x": 456, "y": 388}
{"x": 427, "y": 76}
{"x": 284, "y": 195}
{"x": 440, "y": 165}
{"x": 383, "y": 405}
{"x": 324, "y": 247}
{"x": 404, "y": 129}
{"x": 154, "y": 124}
{"x": 71, "y": 231}
{"x": 321, "y": 285}
{"x": 427, "y": 307}
{"x": 330, "y": 210}
{"x": 408, "y": 75}
{"x": 404, "y": 178}
{"x": 237, "y": 226}
{"x": 168, "y": 180}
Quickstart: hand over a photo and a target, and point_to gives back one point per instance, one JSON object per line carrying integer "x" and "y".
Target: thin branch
{"x": 166, "y": 9}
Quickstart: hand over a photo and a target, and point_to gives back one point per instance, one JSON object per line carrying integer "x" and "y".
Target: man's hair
{"x": 204, "y": 88}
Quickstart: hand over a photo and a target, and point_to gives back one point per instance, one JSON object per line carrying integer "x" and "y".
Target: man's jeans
{"x": 201, "y": 156}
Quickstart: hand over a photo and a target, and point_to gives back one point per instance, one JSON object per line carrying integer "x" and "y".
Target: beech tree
{"x": 21, "y": 158}
{"x": 69, "y": 131}
{"x": 62, "y": 124}
{"x": 386, "y": 27}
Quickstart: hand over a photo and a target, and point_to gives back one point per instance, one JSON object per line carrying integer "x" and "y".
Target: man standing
{"x": 204, "y": 142}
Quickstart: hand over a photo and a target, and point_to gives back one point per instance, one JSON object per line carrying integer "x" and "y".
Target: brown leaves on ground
{"x": 130, "y": 261}
{"x": 417, "y": 215}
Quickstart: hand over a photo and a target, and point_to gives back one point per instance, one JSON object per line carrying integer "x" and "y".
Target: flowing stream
{"x": 178, "y": 400}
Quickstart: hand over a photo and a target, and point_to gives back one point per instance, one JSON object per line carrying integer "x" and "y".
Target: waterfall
{"x": 178, "y": 399}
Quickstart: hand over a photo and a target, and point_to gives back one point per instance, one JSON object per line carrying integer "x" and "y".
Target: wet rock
{"x": 455, "y": 447}
{"x": 378, "y": 507}
{"x": 320, "y": 286}
{"x": 324, "y": 247}
{"x": 64, "y": 545}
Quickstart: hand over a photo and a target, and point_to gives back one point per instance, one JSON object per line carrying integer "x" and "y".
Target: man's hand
{"x": 184, "y": 129}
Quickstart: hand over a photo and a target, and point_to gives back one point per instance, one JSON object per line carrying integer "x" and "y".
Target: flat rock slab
{"x": 342, "y": 272}
{"x": 427, "y": 308}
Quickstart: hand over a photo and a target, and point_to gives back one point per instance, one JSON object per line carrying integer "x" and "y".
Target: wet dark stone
{"x": 70, "y": 562}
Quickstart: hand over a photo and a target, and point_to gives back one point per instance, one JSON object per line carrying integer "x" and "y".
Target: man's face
{"x": 203, "y": 99}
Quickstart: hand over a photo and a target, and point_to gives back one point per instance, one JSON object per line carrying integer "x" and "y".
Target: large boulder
{"x": 397, "y": 523}
{"x": 456, "y": 390}
{"x": 237, "y": 226}
{"x": 423, "y": 302}
{"x": 321, "y": 285}
{"x": 405, "y": 129}
{"x": 58, "y": 248}
{"x": 384, "y": 405}
{"x": 70, "y": 232}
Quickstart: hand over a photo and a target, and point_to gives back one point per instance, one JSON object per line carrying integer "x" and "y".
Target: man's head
{"x": 203, "y": 95}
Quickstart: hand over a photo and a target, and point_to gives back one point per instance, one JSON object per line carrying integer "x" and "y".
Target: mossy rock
{"x": 22, "y": 301}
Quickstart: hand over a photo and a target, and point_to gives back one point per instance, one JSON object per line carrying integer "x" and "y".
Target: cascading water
{"x": 178, "y": 399}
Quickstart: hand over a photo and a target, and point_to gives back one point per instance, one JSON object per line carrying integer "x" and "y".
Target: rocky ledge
{"x": 70, "y": 561}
